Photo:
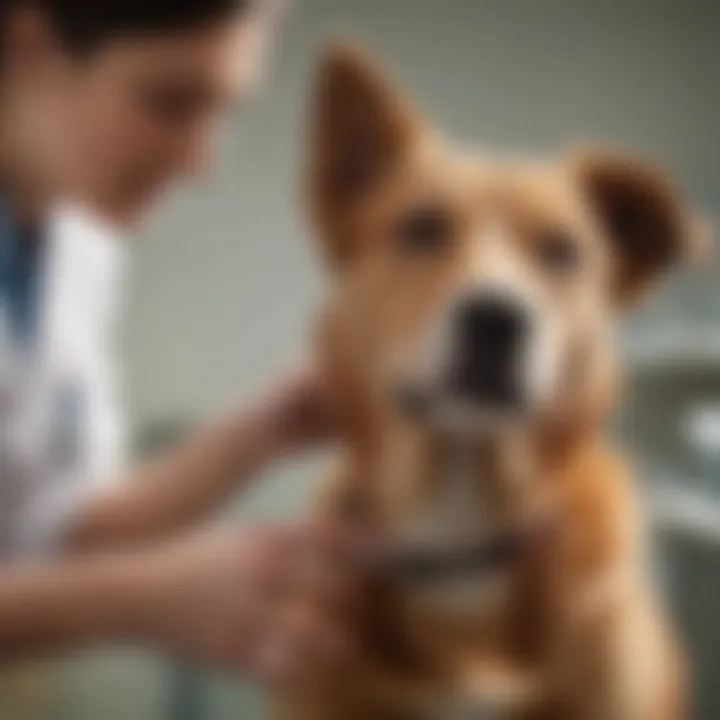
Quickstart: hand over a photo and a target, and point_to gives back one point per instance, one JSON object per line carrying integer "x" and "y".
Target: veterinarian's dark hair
{"x": 84, "y": 25}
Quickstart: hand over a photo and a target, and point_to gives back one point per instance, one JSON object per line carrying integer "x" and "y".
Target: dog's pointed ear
{"x": 361, "y": 128}
{"x": 649, "y": 227}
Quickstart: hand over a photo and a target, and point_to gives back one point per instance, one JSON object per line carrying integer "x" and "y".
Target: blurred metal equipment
{"x": 671, "y": 421}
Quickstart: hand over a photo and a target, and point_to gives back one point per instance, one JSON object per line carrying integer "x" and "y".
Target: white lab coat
{"x": 61, "y": 435}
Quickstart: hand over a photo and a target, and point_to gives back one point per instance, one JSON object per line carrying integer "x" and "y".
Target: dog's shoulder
{"x": 602, "y": 515}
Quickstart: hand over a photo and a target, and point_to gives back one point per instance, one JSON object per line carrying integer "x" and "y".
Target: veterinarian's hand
{"x": 303, "y": 406}
{"x": 269, "y": 603}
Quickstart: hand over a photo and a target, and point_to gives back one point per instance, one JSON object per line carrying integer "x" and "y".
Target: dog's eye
{"x": 559, "y": 252}
{"x": 425, "y": 230}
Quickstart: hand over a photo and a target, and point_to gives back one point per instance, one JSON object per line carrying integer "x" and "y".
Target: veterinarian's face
{"x": 123, "y": 122}
{"x": 474, "y": 295}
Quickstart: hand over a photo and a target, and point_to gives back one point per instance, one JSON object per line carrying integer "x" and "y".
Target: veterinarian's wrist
{"x": 266, "y": 427}
{"x": 142, "y": 609}
{"x": 290, "y": 416}
{"x": 161, "y": 583}
{"x": 125, "y": 597}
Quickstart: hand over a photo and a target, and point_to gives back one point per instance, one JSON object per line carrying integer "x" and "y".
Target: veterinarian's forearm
{"x": 47, "y": 609}
{"x": 183, "y": 487}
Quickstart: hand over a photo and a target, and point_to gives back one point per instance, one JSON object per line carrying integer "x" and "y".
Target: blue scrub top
{"x": 19, "y": 275}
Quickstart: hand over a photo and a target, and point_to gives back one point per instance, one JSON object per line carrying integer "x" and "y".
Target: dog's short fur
{"x": 471, "y": 325}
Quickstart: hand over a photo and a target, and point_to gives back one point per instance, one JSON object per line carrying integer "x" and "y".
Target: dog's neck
{"x": 503, "y": 469}
{"x": 394, "y": 462}
{"x": 503, "y": 475}
{"x": 458, "y": 517}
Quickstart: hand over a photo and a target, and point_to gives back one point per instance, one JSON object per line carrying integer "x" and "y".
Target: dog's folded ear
{"x": 361, "y": 128}
{"x": 643, "y": 217}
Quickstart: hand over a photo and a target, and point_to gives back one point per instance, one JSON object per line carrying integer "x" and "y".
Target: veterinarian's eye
{"x": 559, "y": 252}
{"x": 425, "y": 230}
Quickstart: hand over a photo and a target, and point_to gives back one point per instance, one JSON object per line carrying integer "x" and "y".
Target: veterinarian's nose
{"x": 489, "y": 337}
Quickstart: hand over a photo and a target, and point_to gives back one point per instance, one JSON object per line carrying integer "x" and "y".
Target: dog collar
{"x": 422, "y": 566}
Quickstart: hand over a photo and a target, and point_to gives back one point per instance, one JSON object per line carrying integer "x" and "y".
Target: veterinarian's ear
{"x": 360, "y": 130}
{"x": 644, "y": 218}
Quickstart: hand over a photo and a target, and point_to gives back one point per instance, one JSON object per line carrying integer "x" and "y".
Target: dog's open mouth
{"x": 481, "y": 375}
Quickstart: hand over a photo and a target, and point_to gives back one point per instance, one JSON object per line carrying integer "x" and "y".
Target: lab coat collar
{"x": 83, "y": 277}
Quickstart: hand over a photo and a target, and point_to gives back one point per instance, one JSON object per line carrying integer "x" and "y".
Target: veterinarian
{"x": 104, "y": 105}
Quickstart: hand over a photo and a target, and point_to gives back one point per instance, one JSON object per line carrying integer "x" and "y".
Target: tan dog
{"x": 470, "y": 322}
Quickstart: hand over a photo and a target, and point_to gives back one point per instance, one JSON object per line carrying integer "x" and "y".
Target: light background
{"x": 224, "y": 284}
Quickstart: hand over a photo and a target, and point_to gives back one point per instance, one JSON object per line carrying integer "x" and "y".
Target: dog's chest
{"x": 457, "y": 513}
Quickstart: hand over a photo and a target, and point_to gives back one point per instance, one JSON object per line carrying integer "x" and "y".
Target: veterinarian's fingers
{"x": 321, "y": 536}
{"x": 251, "y": 650}
{"x": 301, "y": 644}
{"x": 261, "y": 569}
{"x": 320, "y": 638}
{"x": 309, "y": 551}
{"x": 331, "y": 571}
{"x": 268, "y": 552}
{"x": 274, "y": 664}
{"x": 224, "y": 634}
{"x": 326, "y": 584}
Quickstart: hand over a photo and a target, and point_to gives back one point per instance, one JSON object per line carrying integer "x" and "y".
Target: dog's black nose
{"x": 489, "y": 336}
{"x": 489, "y": 326}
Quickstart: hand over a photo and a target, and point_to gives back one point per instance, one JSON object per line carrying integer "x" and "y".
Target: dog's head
{"x": 476, "y": 294}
